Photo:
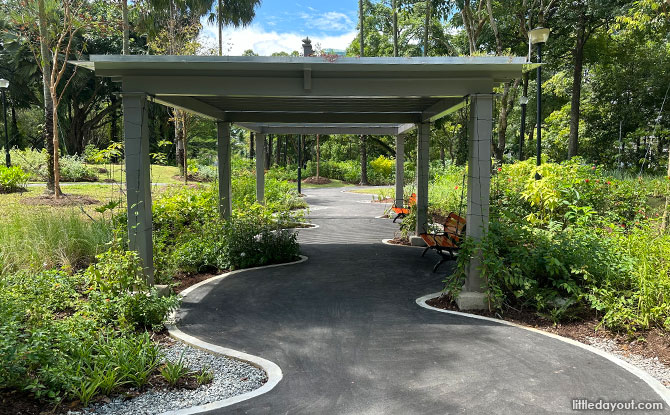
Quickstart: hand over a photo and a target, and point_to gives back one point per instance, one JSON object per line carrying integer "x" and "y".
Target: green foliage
{"x": 34, "y": 162}
{"x": 12, "y": 179}
{"x": 55, "y": 344}
{"x": 172, "y": 372}
{"x": 574, "y": 243}
{"x": 190, "y": 237}
{"x": 119, "y": 294}
{"x": 204, "y": 377}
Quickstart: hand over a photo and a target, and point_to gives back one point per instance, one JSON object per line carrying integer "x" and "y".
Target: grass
{"x": 375, "y": 191}
{"x": 46, "y": 240}
{"x": 333, "y": 183}
{"x": 159, "y": 174}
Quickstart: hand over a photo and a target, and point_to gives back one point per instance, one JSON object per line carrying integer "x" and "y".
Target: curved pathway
{"x": 350, "y": 339}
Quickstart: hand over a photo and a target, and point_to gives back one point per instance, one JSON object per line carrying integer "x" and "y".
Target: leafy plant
{"x": 204, "y": 376}
{"x": 172, "y": 372}
{"x": 12, "y": 179}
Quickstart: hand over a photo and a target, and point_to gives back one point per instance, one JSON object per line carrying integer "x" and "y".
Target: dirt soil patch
{"x": 384, "y": 200}
{"x": 399, "y": 240}
{"x": 191, "y": 178}
{"x": 652, "y": 343}
{"x": 63, "y": 200}
{"x": 317, "y": 180}
{"x": 184, "y": 281}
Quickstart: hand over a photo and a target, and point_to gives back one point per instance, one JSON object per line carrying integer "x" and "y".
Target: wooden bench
{"x": 402, "y": 211}
{"x": 447, "y": 243}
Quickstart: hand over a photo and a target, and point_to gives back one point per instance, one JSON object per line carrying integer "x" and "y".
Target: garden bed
{"x": 648, "y": 350}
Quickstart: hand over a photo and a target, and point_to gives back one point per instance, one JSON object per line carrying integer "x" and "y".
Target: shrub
{"x": 119, "y": 294}
{"x": 12, "y": 179}
{"x": 34, "y": 163}
{"x": 73, "y": 169}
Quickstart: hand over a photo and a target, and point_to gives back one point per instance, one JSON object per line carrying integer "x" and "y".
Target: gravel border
{"x": 232, "y": 377}
{"x": 652, "y": 366}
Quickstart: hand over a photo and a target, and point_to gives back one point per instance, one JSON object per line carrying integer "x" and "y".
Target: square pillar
{"x": 138, "y": 180}
{"x": 479, "y": 185}
{"x": 260, "y": 168}
{"x": 223, "y": 150}
{"x": 399, "y": 169}
{"x": 422, "y": 175}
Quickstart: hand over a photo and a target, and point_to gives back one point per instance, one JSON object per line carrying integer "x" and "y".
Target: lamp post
{"x": 539, "y": 37}
{"x": 4, "y": 84}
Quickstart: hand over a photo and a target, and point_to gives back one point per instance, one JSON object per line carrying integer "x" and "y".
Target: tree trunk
{"x": 179, "y": 143}
{"x": 252, "y": 138}
{"x": 48, "y": 102}
{"x": 278, "y": 154}
{"x": 364, "y": 161}
{"x": 56, "y": 151}
{"x": 395, "y": 28}
{"x": 15, "y": 138}
{"x": 268, "y": 158}
{"x": 113, "y": 133}
{"x": 506, "y": 106}
{"x": 184, "y": 134}
{"x": 578, "y": 55}
{"x": 361, "y": 32}
{"x": 426, "y": 28}
{"x": 443, "y": 157}
{"x": 666, "y": 209}
{"x": 318, "y": 156}
{"x": 126, "y": 27}
{"x": 219, "y": 11}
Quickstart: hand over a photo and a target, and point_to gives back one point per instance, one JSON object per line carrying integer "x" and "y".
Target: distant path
{"x": 349, "y": 337}
{"x": 85, "y": 183}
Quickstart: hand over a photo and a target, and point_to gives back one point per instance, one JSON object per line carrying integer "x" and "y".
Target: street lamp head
{"x": 538, "y": 35}
{"x": 4, "y": 83}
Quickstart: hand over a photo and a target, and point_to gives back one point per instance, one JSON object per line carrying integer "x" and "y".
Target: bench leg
{"x": 425, "y": 250}
{"x": 442, "y": 261}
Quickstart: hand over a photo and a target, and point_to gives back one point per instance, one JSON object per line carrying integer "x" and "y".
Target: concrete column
{"x": 399, "y": 169}
{"x": 260, "y": 168}
{"x": 422, "y": 166}
{"x": 138, "y": 180}
{"x": 479, "y": 184}
{"x": 223, "y": 148}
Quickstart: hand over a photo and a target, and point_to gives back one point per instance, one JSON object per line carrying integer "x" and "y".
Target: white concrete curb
{"x": 272, "y": 370}
{"x": 387, "y": 242}
{"x": 657, "y": 386}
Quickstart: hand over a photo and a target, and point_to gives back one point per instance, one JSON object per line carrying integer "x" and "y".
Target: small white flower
{"x": 243, "y": 254}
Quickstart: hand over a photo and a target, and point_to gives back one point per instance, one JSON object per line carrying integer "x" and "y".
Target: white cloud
{"x": 328, "y": 21}
{"x": 264, "y": 42}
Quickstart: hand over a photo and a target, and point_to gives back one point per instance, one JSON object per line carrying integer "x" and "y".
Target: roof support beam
{"x": 191, "y": 105}
{"x": 441, "y": 109}
{"x": 321, "y": 117}
{"x": 310, "y": 129}
{"x": 295, "y": 87}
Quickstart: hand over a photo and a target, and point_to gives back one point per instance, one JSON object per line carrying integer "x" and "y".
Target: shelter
{"x": 309, "y": 95}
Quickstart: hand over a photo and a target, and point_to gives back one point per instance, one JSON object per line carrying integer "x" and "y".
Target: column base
{"x": 471, "y": 300}
{"x": 416, "y": 241}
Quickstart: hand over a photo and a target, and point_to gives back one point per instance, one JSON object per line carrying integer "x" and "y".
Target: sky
{"x": 280, "y": 26}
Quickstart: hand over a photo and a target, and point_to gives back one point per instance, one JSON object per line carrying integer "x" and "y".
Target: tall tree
{"x": 45, "y": 61}
{"x": 126, "y": 27}
{"x": 232, "y": 12}
{"x": 585, "y": 16}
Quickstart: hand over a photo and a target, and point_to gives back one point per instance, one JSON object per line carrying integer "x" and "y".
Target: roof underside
{"x": 287, "y": 95}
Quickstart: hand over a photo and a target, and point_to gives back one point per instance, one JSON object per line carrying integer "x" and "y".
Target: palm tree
{"x": 233, "y": 12}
